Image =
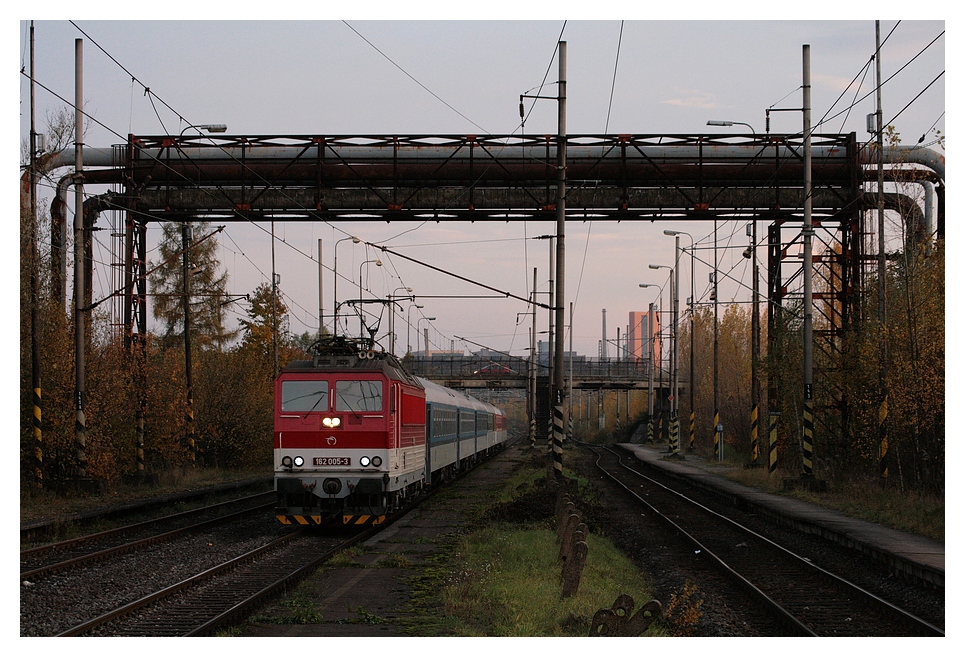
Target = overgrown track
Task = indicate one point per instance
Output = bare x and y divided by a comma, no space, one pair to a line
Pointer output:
45,529
44,560
807,599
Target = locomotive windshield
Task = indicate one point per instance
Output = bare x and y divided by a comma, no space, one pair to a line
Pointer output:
358,396
302,396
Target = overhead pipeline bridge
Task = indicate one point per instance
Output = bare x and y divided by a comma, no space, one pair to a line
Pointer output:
482,178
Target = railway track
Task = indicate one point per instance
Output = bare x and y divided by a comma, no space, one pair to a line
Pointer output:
218,583
44,560
213,597
806,599
203,603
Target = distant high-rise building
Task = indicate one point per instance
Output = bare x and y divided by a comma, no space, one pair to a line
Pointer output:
642,327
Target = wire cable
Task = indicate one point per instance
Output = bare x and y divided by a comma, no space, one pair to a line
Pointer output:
408,75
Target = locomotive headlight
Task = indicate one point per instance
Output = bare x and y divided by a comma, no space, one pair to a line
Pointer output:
331,422
299,461
365,461
376,461
286,461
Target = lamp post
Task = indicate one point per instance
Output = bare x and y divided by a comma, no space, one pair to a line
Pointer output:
420,320
355,240
730,123
693,405
718,427
186,276
392,315
674,442
651,340
378,263
408,324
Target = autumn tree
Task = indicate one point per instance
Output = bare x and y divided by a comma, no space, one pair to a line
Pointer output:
733,384
235,387
206,283
267,321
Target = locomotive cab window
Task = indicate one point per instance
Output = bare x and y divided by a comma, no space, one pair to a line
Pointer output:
358,396
303,396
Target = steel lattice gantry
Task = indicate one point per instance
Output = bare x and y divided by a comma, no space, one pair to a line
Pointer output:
479,178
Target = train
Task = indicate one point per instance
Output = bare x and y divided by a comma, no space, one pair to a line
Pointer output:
356,436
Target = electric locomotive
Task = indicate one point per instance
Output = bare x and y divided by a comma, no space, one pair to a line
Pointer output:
356,435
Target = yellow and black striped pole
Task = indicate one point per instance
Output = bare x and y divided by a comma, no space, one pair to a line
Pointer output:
883,438
674,433
754,443
80,439
38,438
772,443
717,446
139,437
558,437
807,235
34,265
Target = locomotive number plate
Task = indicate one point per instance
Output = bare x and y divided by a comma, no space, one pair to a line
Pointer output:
332,460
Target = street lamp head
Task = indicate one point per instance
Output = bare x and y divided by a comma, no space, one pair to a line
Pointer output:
671,232
209,127
355,240
731,123
378,263
647,285
659,266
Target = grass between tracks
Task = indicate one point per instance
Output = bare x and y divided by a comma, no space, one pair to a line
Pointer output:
507,584
501,578
504,578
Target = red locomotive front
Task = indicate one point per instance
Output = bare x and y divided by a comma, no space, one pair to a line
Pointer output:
350,439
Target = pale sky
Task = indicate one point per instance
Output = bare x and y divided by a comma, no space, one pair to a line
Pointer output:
464,77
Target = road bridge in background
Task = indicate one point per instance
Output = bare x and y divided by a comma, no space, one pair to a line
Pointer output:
588,374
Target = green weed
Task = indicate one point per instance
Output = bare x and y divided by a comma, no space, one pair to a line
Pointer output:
345,558
304,611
